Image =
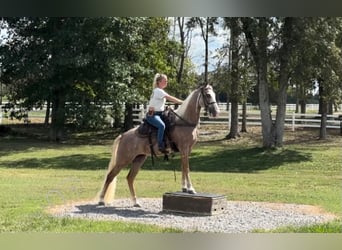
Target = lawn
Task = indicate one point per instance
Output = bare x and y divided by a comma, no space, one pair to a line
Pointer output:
36,174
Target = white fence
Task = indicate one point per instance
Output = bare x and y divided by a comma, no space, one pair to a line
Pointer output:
292,120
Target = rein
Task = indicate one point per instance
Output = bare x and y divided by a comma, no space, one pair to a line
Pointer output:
187,124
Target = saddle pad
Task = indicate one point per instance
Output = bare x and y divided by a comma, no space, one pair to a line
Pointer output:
145,129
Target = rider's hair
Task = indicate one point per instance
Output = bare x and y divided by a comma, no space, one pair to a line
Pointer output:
157,78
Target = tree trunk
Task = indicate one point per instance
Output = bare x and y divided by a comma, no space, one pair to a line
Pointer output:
259,53
285,53
234,122
128,122
323,109
57,116
180,70
330,108
323,129
206,41
265,110
244,117
302,106
47,113
117,119
234,91
281,112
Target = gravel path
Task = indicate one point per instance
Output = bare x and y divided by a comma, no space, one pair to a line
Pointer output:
239,216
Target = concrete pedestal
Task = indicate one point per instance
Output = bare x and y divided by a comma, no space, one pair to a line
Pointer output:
197,204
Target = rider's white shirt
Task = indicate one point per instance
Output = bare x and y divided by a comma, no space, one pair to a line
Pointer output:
158,100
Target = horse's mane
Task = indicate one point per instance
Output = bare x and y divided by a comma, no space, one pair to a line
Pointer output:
182,108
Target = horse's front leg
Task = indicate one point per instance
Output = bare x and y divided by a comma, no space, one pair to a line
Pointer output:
186,181
136,165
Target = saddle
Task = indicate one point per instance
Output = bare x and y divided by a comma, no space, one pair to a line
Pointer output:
147,130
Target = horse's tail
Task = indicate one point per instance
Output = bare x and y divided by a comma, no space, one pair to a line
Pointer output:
110,191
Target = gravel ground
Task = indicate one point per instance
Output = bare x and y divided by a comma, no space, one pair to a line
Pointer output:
238,217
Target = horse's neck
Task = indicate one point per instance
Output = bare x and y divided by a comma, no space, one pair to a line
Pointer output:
190,110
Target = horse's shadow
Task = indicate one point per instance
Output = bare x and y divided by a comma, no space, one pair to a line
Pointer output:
119,211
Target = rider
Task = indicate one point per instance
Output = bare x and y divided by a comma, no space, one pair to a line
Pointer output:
157,105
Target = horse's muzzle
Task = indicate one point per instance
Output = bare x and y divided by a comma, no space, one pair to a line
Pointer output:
214,110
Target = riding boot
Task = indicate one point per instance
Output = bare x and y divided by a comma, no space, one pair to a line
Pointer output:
163,150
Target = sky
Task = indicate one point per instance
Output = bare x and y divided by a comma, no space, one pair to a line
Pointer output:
197,48
3,34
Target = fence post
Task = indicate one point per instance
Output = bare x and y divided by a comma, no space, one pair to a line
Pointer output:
142,112
229,117
293,121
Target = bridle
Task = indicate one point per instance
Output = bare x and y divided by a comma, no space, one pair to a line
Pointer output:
205,101
206,105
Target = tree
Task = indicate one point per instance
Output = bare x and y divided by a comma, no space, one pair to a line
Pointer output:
288,39
318,63
64,60
53,59
247,82
81,65
233,23
153,51
256,32
207,26
185,76
327,63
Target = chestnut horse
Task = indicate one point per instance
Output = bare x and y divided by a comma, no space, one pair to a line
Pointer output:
129,148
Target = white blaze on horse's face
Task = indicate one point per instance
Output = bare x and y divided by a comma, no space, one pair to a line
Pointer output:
209,100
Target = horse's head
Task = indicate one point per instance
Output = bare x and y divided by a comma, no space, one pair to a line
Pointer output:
208,100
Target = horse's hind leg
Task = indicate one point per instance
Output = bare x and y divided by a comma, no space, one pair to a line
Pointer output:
108,189
136,165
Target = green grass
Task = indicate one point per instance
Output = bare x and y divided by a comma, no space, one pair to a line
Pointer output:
334,226
36,174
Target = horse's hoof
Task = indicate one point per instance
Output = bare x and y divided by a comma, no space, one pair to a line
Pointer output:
191,191
101,203
184,190
136,205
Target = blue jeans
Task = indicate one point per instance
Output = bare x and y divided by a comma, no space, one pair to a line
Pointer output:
156,121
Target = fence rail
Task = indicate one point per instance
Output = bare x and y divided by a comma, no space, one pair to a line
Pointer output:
253,118
292,120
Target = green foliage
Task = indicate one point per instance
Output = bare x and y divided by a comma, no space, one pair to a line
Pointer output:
318,57
84,61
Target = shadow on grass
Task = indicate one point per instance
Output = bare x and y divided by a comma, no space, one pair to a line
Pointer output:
10,145
23,141
72,162
247,160
242,160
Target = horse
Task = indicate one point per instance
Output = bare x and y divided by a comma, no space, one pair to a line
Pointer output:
130,149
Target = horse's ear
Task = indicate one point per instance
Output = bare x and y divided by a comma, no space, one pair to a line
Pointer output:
204,85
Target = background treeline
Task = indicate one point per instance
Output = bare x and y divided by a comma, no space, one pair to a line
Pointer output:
79,67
